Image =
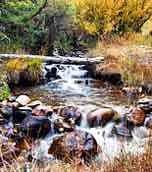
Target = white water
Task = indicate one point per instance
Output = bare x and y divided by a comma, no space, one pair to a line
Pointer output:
76,88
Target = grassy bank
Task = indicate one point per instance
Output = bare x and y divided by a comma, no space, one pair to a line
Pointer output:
125,163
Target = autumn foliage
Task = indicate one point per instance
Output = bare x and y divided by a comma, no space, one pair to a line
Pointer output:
116,16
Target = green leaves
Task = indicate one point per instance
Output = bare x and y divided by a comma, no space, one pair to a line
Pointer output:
19,12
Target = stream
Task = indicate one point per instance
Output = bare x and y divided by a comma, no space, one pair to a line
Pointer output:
75,87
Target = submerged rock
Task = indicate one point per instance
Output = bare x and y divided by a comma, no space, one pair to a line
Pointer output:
77,146
23,100
100,116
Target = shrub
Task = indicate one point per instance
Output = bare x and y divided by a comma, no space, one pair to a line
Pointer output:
112,16
24,71
135,73
4,92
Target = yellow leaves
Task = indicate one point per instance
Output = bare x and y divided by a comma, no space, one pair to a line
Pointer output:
102,16
90,28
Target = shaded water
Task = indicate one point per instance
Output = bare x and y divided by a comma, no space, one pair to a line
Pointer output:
77,88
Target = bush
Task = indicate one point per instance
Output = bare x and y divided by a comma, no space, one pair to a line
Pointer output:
112,16
24,71
135,73
4,92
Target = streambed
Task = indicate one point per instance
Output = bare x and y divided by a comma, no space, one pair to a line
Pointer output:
75,87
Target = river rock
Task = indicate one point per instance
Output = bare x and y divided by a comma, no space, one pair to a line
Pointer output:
145,104
12,99
35,126
100,116
61,126
23,100
71,115
21,113
6,111
122,130
42,110
136,116
77,146
148,123
35,103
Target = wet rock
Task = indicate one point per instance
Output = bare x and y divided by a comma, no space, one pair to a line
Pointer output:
100,116
35,126
6,111
33,104
136,116
148,123
71,115
21,113
42,110
61,126
122,130
145,104
51,74
77,146
12,99
23,100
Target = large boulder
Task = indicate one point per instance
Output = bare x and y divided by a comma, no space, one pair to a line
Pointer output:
23,100
100,117
77,146
136,116
35,127
21,113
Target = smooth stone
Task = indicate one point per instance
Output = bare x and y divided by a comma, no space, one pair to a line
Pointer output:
42,110
12,98
78,146
101,116
61,126
122,131
23,100
35,127
20,114
145,104
71,114
35,103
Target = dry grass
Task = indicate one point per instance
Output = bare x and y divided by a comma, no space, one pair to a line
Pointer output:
125,163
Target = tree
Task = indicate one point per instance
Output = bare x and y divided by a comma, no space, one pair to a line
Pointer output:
20,12
108,16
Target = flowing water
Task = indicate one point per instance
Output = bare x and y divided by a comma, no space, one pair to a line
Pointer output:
76,87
